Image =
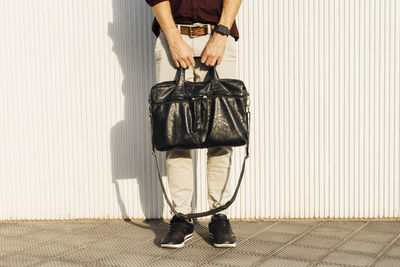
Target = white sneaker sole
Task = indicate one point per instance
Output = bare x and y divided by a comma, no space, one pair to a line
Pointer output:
225,245
188,237
222,245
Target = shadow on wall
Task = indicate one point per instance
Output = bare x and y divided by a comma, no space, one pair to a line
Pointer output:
131,156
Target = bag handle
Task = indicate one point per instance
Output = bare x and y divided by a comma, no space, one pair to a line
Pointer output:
180,74
180,77
211,211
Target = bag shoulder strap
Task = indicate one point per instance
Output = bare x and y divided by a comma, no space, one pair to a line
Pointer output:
211,211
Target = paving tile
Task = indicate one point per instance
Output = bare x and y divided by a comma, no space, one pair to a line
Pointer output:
387,262
116,244
101,229
274,237
149,248
317,241
133,232
288,228
328,265
3,253
247,229
345,225
347,258
393,251
13,230
330,232
232,257
37,224
258,247
14,245
19,260
44,235
387,227
362,246
301,253
170,262
252,224
279,262
57,263
119,243
374,236
124,259
199,242
80,239
149,226
202,229
308,223
88,255
195,254
69,227
49,250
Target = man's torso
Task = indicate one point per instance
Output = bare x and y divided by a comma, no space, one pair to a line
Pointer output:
191,11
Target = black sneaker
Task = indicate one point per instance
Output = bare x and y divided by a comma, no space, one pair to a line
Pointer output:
179,231
221,231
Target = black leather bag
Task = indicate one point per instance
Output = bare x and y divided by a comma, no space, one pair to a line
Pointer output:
193,115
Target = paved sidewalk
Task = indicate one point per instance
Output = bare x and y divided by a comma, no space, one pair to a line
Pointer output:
261,243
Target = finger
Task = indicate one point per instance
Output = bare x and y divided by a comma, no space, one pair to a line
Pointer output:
182,63
214,61
187,62
209,61
203,59
219,60
191,59
176,63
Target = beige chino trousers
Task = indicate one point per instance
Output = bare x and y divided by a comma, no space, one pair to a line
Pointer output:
179,162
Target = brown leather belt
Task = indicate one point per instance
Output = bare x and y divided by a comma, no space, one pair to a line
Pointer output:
194,31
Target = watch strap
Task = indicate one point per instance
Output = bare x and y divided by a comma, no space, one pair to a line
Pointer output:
222,29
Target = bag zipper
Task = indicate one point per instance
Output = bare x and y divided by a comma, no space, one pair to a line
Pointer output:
197,98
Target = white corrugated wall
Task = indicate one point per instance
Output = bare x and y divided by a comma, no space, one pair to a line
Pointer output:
324,78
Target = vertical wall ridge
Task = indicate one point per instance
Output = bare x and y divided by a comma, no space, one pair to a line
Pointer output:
324,82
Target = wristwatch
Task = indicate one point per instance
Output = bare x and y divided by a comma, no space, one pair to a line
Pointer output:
221,29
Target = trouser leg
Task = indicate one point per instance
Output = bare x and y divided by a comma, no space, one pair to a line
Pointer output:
180,178
219,159
178,162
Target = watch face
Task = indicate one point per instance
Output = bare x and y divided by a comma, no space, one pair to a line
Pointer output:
222,29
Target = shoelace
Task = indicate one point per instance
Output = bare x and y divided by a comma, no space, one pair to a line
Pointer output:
222,224
174,225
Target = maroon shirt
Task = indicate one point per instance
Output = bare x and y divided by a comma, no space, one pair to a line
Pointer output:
191,11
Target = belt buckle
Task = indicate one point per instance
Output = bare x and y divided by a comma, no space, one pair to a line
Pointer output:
191,31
